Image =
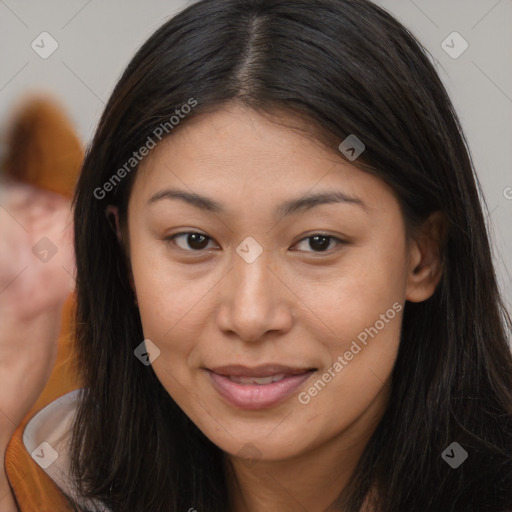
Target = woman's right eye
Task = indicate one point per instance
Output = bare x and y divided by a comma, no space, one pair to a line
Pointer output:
190,241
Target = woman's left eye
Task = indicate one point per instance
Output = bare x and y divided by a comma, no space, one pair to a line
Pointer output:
320,242
198,241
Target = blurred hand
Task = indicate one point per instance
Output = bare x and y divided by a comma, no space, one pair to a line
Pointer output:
36,255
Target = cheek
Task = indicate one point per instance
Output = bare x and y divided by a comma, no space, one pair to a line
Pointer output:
167,308
171,311
175,311
162,298
363,310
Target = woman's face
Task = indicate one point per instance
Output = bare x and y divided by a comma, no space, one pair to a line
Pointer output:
253,294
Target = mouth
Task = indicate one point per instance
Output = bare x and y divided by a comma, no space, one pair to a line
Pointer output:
257,387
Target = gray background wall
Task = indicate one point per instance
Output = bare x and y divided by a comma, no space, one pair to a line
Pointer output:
96,39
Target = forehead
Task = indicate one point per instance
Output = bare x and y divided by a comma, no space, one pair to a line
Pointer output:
235,133
235,150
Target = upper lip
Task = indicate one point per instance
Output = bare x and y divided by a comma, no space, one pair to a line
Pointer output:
265,370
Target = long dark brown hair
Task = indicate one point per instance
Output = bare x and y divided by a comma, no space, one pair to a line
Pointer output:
345,67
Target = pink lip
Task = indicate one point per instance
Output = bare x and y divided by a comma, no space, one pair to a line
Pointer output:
264,370
257,396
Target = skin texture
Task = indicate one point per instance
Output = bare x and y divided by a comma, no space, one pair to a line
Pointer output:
295,304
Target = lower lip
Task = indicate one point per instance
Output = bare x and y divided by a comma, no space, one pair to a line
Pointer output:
257,396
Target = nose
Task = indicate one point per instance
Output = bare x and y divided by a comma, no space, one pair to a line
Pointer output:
254,300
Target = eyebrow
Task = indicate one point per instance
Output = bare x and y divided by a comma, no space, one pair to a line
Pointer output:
283,210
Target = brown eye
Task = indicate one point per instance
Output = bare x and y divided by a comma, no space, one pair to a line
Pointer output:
192,241
320,243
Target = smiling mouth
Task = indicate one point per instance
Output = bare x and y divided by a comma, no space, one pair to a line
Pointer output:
257,387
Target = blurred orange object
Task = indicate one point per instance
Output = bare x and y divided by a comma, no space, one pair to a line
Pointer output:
43,148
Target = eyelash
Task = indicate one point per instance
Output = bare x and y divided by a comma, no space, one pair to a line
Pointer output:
186,233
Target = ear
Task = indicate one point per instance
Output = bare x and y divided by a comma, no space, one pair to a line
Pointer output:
426,258
112,214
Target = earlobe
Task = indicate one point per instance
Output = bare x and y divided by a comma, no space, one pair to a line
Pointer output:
112,214
426,259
